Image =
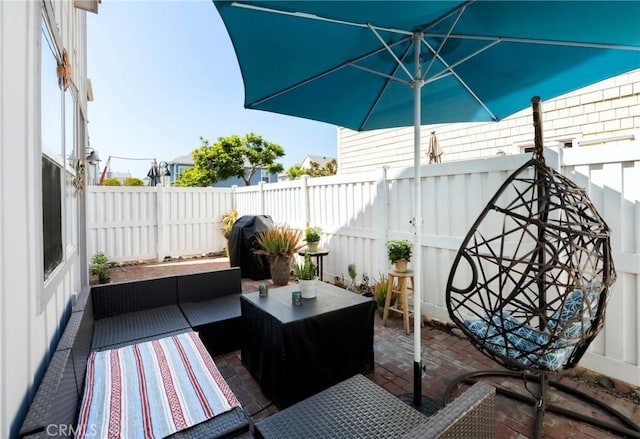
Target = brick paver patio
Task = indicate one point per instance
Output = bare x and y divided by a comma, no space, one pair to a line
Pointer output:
444,355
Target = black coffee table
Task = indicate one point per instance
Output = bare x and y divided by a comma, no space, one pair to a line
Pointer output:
296,351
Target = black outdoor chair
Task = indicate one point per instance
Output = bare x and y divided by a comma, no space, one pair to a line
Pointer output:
530,283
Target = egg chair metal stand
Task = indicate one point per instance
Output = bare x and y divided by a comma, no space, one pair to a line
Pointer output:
530,282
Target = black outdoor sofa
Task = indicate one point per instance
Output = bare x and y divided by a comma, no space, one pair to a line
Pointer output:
120,314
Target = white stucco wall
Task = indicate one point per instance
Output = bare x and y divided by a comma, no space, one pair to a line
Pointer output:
608,110
31,309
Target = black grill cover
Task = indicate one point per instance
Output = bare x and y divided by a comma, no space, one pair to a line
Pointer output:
242,243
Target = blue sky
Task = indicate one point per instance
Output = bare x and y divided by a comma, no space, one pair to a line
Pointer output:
163,75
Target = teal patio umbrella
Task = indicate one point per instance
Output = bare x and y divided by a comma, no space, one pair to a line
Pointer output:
382,64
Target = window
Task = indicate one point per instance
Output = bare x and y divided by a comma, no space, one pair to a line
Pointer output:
53,157
558,142
59,157
51,215
264,175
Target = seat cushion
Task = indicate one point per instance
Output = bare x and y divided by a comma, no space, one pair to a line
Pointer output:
211,311
218,321
136,326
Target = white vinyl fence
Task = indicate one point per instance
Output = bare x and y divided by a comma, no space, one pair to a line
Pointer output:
359,212
137,223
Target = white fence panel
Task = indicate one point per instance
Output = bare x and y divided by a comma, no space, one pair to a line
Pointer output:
612,179
191,220
122,222
137,223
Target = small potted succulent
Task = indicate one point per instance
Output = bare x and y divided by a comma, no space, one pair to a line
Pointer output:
312,237
306,273
399,253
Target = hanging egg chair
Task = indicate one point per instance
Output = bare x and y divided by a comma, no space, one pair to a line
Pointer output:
530,282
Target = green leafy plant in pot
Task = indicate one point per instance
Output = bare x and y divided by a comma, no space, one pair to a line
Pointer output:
100,267
399,253
279,244
228,220
312,236
306,273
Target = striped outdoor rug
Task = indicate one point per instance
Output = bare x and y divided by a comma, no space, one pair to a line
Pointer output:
152,389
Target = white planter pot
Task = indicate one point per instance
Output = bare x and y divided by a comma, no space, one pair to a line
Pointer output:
313,246
308,288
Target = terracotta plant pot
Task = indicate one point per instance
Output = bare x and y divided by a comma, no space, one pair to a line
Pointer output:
401,265
280,267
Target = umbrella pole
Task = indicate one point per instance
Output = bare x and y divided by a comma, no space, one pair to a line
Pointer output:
417,84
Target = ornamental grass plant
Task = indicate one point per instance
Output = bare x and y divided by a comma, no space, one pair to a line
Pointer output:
279,241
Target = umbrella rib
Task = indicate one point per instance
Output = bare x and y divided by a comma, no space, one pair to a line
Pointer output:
464,84
375,72
444,41
448,70
536,41
319,18
328,72
391,78
384,43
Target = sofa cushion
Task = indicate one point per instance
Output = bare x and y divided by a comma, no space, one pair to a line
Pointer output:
136,326
210,311
209,285
127,297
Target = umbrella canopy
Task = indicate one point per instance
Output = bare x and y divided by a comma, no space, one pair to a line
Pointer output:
337,62
379,64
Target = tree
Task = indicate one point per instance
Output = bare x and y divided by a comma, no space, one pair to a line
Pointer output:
231,156
111,181
295,171
331,168
133,181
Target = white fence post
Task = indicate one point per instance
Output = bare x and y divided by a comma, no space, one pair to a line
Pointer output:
382,220
304,195
161,221
234,197
261,195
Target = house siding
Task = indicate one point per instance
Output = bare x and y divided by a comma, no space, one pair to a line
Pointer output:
607,111
31,310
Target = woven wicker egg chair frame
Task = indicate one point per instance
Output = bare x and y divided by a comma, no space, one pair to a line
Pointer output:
530,282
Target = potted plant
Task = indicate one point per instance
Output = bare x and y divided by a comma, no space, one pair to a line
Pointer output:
399,253
100,267
279,244
228,220
312,237
306,273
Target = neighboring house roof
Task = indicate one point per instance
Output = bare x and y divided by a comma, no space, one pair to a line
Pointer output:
182,160
319,159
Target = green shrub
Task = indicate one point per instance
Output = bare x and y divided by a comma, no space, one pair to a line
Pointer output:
228,220
111,181
100,267
312,234
399,249
133,181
